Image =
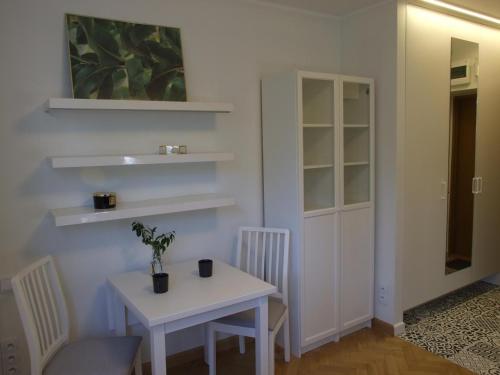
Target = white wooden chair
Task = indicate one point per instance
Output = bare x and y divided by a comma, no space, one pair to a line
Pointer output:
44,316
262,252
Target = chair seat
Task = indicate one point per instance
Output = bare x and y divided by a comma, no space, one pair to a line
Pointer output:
106,356
247,318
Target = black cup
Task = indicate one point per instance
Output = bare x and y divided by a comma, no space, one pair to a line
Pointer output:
205,267
160,282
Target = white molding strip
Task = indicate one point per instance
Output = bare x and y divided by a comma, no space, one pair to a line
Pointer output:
458,11
399,328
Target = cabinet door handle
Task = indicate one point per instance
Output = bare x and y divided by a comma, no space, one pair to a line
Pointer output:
479,185
444,190
474,185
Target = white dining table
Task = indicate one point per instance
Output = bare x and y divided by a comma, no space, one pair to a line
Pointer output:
190,300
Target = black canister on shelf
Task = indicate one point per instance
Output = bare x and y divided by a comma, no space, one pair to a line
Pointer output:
104,200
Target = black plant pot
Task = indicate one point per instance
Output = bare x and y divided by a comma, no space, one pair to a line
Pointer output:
205,267
160,282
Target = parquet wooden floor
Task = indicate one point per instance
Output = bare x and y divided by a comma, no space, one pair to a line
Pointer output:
367,352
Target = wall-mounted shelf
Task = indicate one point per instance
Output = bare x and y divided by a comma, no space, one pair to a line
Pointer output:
356,163
318,166
137,105
124,160
317,125
125,210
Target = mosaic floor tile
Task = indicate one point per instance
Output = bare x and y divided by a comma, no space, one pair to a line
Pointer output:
463,327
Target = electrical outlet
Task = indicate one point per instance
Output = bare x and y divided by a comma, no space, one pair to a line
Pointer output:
10,358
383,295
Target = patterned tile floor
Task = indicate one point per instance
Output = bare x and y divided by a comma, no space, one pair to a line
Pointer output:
463,327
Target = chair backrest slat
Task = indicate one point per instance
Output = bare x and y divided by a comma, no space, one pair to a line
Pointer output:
249,246
47,308
57,322
265,251
270,254
43,311
286,245
28,284
256,253
262,274
277,261
45,314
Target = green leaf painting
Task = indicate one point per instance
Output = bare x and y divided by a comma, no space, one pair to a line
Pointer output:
122,60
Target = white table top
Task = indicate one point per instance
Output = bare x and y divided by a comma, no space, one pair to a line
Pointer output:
188,294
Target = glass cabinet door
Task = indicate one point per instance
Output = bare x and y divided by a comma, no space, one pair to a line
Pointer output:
356,133
318,136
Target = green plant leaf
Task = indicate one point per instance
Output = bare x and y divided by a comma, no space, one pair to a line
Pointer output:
159,80
81,37
106,47
136,77
167,56
139,60
176,90
106,87
134,47
90,58
100,40
86,82
171,37
139,33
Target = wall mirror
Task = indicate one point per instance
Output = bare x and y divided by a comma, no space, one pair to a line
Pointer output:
464,75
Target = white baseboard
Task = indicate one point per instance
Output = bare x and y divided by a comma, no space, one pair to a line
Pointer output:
319,343
495,279
336,337
399,328
357,327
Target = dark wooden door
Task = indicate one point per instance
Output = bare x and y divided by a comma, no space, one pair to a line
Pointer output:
463,152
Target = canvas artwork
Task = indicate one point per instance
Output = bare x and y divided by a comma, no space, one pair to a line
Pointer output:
123,60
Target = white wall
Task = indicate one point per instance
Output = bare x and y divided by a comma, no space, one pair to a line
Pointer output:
426,154
227,46
369,47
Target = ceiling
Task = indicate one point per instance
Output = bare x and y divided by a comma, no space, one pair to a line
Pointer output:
332,7
343,7
490,7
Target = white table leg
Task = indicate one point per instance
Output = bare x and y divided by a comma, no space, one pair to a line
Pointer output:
110,307
261,338
158,354
120,317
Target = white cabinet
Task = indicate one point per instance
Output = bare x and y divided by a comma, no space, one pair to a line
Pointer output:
318,142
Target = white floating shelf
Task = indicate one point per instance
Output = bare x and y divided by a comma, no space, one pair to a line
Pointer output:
356,163
124,160
125,210
137,105
317,125
356,126
318,166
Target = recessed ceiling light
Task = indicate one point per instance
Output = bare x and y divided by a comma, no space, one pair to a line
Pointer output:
459,11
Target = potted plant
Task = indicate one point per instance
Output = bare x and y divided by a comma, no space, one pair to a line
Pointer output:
159,244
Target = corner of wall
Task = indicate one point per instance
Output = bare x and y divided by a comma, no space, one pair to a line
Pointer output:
371,46
400,161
